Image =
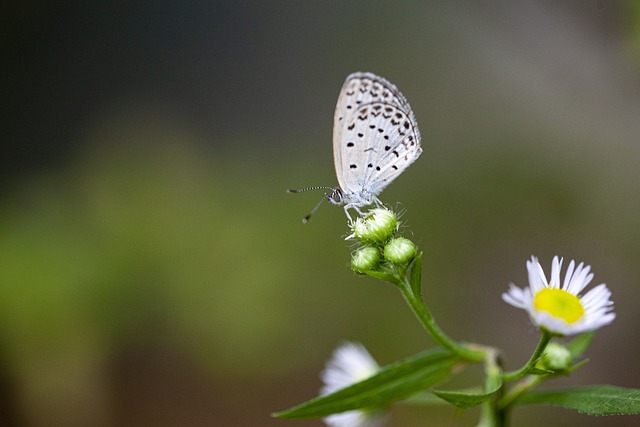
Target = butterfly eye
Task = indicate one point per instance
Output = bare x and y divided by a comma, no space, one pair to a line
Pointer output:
336,196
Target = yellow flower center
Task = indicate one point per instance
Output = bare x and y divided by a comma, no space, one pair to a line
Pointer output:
560,304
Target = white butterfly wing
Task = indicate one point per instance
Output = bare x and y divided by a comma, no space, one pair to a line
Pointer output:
375,134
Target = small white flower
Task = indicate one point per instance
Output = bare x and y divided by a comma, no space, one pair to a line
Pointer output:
350,363
555,306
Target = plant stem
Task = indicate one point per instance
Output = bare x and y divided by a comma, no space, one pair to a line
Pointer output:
517,374
490,415
426,319
527,384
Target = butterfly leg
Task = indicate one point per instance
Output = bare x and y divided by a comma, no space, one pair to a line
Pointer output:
346,211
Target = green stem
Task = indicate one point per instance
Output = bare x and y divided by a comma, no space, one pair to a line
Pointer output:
517,374
426,319
527,384
490,416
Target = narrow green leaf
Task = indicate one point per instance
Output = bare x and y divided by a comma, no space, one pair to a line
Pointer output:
382,275
538,371
467,398
577,365
580,344
393,382
424,398
591,400
415,278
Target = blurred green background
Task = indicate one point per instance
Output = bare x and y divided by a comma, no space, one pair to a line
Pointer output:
154,272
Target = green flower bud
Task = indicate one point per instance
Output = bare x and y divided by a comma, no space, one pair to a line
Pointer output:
377,226
365,258
399,250
556,357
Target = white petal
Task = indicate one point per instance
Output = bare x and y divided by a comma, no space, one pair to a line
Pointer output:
556,264
537,279
596,298
355,419
550,323
578,281
567,277
350,363
603,320
515,296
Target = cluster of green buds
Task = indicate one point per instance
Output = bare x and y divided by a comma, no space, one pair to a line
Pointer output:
382,249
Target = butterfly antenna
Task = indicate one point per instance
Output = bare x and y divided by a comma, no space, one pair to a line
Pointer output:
306,218
319,187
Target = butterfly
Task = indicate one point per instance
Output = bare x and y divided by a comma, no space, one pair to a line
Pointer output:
375,138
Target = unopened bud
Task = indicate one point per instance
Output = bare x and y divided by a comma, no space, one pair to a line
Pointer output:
377,226
399,250
556,357
364,259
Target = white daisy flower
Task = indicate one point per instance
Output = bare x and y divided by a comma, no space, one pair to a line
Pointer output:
350,363
555,306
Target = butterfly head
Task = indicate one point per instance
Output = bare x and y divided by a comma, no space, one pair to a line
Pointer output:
336,197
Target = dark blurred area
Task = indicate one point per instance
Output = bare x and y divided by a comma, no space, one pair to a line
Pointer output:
154,272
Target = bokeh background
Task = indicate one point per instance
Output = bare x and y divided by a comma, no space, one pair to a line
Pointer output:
153,271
